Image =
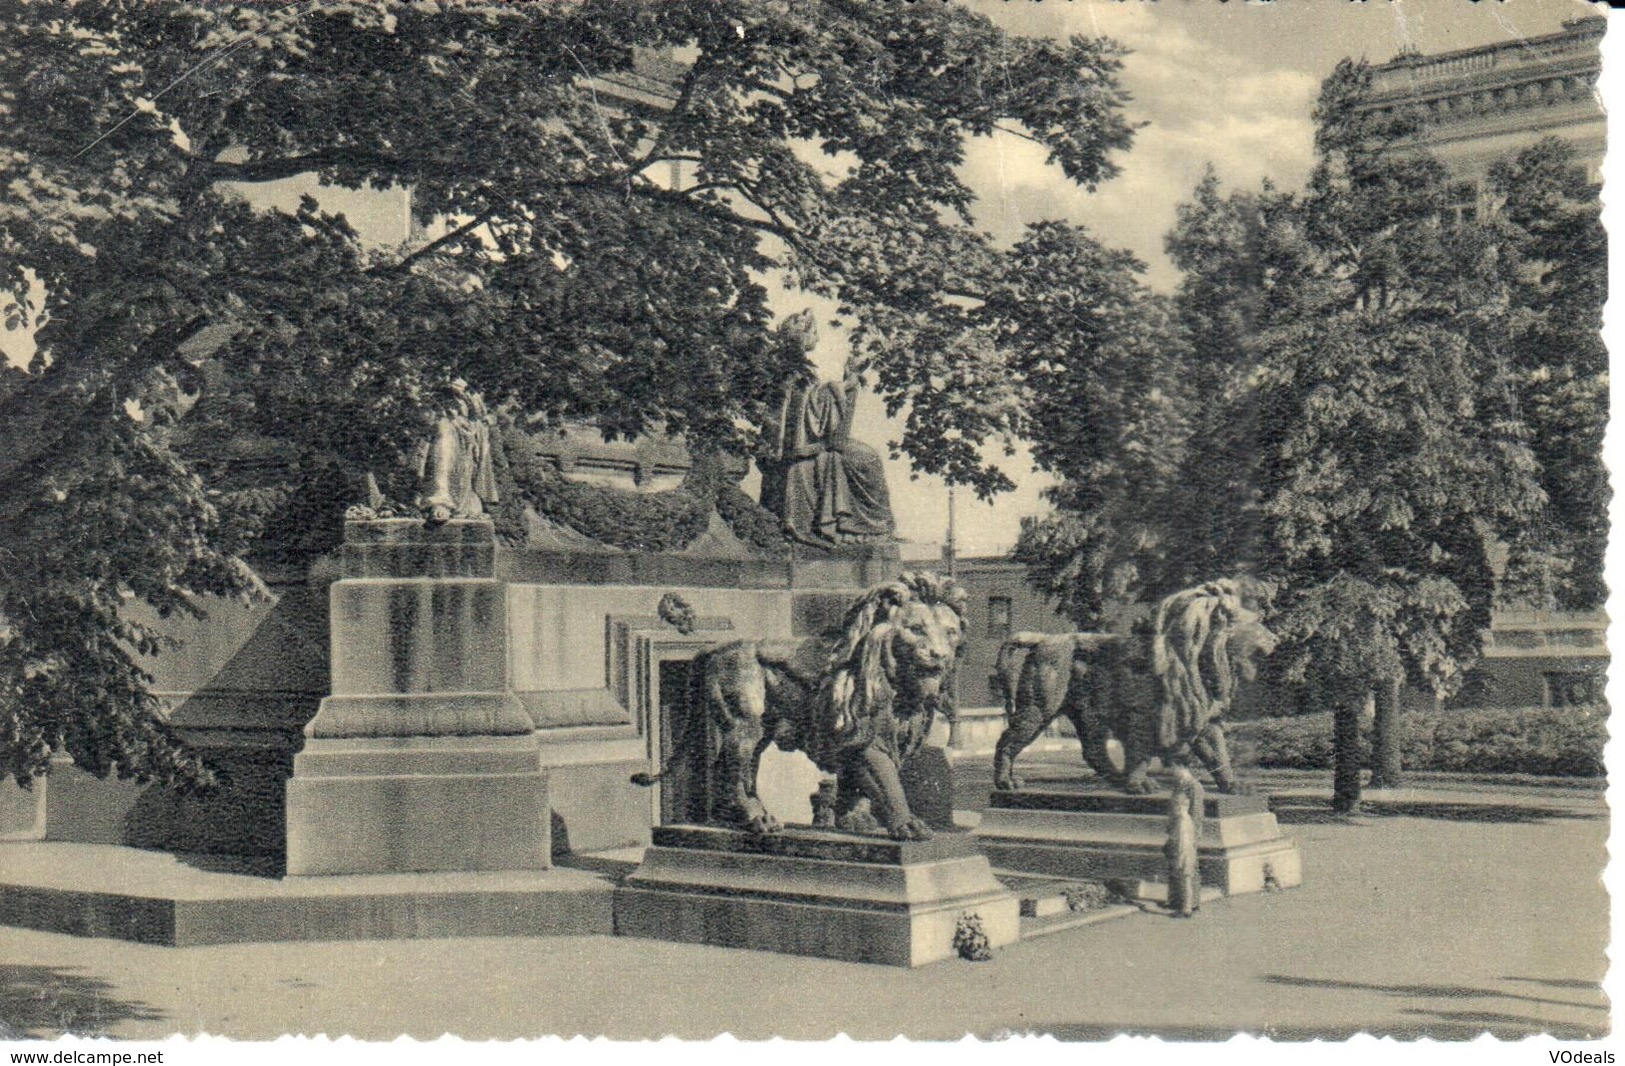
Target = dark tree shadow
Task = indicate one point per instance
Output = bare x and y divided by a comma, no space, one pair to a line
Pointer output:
559,836
270,866
1313,812
598,864
1470,1024
1093,1031
1427,991
1280,1034
1558,982
38,1002
1294,810
1481,812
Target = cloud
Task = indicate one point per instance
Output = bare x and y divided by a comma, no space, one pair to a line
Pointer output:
1204,105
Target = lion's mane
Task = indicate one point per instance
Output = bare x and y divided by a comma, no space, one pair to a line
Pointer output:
862,672
1190,656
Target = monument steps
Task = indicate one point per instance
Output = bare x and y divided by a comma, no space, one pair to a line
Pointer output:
1046,906
816,892
1091,835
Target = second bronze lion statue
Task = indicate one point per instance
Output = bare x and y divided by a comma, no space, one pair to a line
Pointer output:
1159,687
858,706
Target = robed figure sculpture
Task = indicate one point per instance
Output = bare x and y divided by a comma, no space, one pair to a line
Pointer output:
454,468
450,474
826,488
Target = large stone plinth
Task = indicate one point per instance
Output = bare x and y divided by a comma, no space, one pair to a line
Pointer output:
1102,836
812,892
422,759
152,897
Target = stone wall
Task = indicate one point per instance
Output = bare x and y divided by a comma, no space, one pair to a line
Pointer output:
585,647
241,684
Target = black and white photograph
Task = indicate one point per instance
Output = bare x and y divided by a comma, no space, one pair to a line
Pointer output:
802,519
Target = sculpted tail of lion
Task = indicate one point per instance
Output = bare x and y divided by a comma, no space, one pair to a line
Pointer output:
1007,666
684,751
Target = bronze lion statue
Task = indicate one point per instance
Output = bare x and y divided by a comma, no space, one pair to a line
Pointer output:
1160,685
858,705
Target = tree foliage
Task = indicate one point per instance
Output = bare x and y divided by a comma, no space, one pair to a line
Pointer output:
561,272
1100,359
1374,399
1550,222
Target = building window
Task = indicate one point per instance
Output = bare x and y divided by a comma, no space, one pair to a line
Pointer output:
1575,688
998,616
1464,206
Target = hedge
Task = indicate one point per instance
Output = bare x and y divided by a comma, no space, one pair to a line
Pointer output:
1563,741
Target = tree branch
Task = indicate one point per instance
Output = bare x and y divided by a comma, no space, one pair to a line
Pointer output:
1016,133
438,243
713,211
685,97
291,166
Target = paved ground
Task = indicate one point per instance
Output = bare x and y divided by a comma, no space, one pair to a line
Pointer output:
1485,912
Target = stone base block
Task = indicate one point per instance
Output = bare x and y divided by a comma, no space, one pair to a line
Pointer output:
22,810
243,816
812,892
154,897
416,804
1108,837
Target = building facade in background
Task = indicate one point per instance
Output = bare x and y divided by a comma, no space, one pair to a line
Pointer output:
1480,105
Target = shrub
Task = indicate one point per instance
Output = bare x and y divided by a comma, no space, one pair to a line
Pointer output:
1565,741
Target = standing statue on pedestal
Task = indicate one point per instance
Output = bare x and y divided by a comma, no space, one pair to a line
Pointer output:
451,474
1184,832
455,475
826,488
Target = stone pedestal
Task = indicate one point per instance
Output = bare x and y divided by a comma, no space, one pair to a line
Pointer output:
1098,836
22,810
422,759
814,892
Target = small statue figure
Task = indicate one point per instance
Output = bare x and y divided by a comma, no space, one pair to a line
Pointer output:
448,476
1184,829
823,803
455,477
826,488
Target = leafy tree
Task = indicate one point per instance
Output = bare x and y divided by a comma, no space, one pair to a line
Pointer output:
1381,482
1390,458
1100,359
1556,261
1246,262
1351,422
563,274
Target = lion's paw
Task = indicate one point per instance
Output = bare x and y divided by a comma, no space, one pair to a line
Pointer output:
912,829
858,820
1233,787
1139,786
1008,784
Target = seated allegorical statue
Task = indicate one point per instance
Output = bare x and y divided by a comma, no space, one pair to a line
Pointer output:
826,488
